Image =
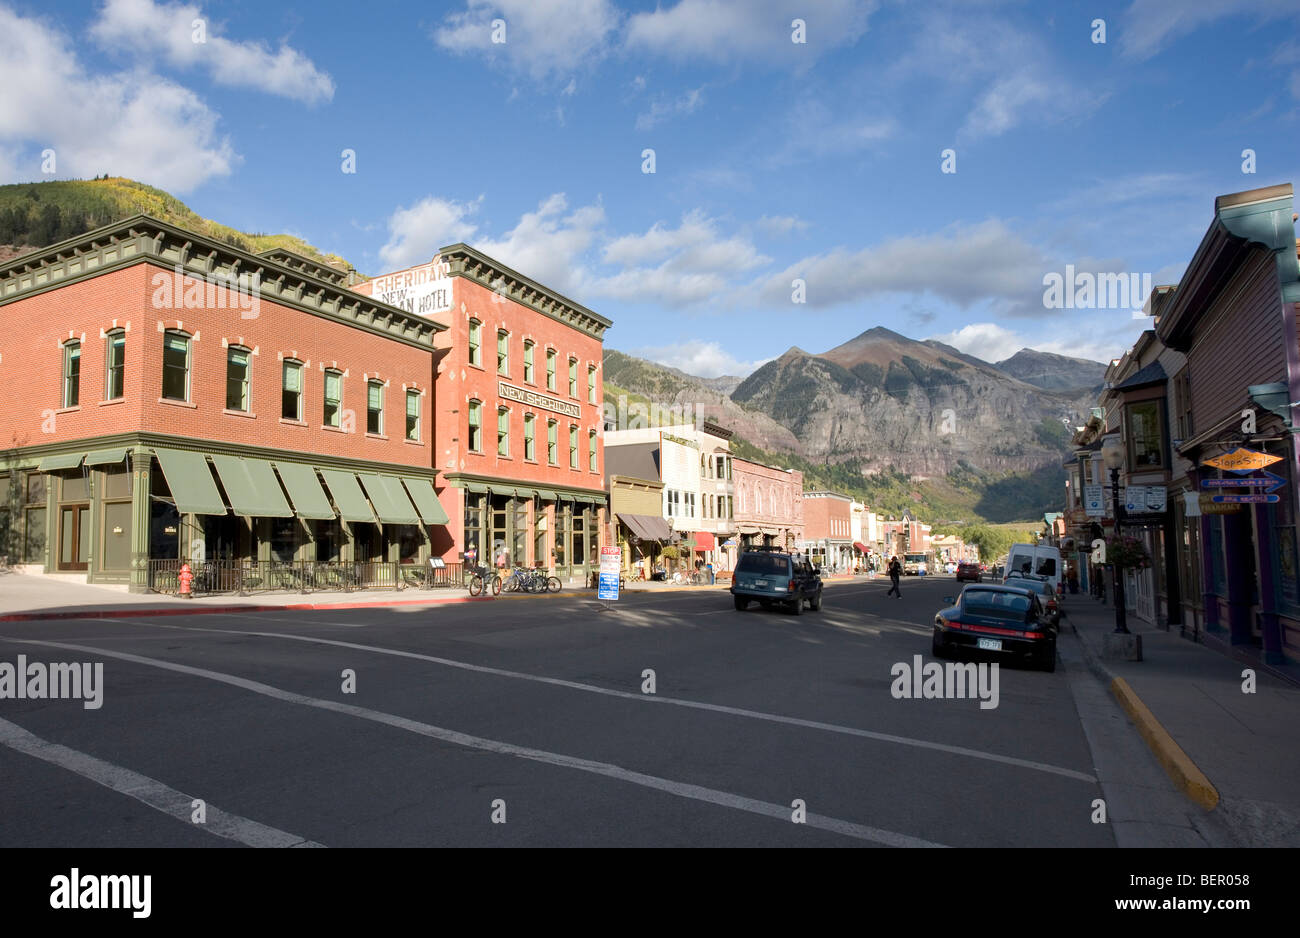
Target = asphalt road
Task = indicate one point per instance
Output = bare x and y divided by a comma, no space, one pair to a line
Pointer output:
525,721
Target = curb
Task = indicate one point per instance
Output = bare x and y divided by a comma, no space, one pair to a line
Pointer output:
1180,768
228,610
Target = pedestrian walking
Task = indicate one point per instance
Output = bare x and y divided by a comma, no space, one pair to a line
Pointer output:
895,575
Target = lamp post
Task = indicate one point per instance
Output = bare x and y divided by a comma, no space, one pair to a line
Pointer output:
1112,454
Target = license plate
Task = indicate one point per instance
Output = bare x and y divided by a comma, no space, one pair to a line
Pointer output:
990,644
760,583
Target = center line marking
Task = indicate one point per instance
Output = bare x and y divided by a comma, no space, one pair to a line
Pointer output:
646,698
680,789
148,790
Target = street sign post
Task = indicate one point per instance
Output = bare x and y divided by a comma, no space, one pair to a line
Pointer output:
1094,500
607,587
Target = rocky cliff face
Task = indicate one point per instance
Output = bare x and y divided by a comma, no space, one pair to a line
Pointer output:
885,401
1053,372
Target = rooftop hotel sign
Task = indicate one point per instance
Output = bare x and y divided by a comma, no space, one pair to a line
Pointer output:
543,401
423,290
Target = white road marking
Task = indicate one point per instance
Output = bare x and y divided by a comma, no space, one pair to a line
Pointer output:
680,789
648,698
147,790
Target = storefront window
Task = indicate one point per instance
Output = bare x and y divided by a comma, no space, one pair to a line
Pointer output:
563,515
408,543
578,532
1284,546
473,522
284,539
519,537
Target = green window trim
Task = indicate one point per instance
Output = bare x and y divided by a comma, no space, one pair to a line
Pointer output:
475,343
331,413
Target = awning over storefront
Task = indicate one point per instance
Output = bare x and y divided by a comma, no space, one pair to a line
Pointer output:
861,548
647,527
546,495
389,498
426,500
61,461
704,541
190,480
106,457
309,499
252,487
476,488
349,498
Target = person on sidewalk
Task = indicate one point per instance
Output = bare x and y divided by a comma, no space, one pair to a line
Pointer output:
895,576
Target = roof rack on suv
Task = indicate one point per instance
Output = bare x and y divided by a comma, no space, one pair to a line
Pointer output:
767,548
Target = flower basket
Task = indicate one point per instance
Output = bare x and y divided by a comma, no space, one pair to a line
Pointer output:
1127,553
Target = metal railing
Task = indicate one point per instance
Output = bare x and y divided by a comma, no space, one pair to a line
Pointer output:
247,577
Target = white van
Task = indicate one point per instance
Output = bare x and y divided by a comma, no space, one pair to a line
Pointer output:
1036,560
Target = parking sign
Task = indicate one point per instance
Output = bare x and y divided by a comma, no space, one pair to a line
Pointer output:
610,561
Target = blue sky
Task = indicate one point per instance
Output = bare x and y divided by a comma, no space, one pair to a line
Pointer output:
775,160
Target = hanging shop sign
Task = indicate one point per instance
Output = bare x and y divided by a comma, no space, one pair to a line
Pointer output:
1242,460
1268,481
1252,499
1208,506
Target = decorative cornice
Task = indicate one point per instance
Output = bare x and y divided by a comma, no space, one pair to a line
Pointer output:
143,239
306,265
464,261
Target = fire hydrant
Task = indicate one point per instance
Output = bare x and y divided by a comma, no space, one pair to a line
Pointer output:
186,577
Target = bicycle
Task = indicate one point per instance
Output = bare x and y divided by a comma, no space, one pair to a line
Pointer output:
478,580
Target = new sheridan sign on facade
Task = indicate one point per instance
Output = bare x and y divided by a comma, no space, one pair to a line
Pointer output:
543,401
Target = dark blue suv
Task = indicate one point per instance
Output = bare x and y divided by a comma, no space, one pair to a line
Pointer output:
775,577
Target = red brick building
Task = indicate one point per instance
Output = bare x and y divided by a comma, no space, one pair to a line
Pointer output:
518,430
769,508
827,529
169,397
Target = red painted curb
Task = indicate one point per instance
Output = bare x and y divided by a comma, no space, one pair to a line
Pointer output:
227,610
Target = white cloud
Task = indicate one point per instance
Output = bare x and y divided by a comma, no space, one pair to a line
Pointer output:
1151,25
416,233
136,124
702,359
963,264
548,245
753,30
994,343
661,110
543,37
167,30
781,224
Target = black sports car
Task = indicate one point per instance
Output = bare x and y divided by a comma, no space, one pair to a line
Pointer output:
1005,621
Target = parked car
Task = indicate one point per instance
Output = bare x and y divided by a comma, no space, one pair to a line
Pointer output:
969,571
1043,587
1007,621
775,577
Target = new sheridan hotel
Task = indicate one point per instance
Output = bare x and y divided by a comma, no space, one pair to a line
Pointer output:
167,397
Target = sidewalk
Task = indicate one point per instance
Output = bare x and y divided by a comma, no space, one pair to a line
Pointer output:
1235,753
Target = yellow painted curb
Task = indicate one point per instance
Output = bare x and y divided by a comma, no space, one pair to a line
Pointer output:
1177,764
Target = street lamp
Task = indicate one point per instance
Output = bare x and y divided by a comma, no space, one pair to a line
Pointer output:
1112,454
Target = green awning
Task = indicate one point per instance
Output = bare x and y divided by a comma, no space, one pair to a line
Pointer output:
598,499
61,461
476,488
389,498
426,500
349,498
252,487
190,480
547,495
309,499
106,457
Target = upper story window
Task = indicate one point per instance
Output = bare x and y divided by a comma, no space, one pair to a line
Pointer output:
375,408
413,414
503,432
550,369
176,367
475,339
291,398
333,397
1145,439
591,450
573,377
71,374
503,353
552,443
573,447
115,365
530,451
529,378
237,374
475,427
591,384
